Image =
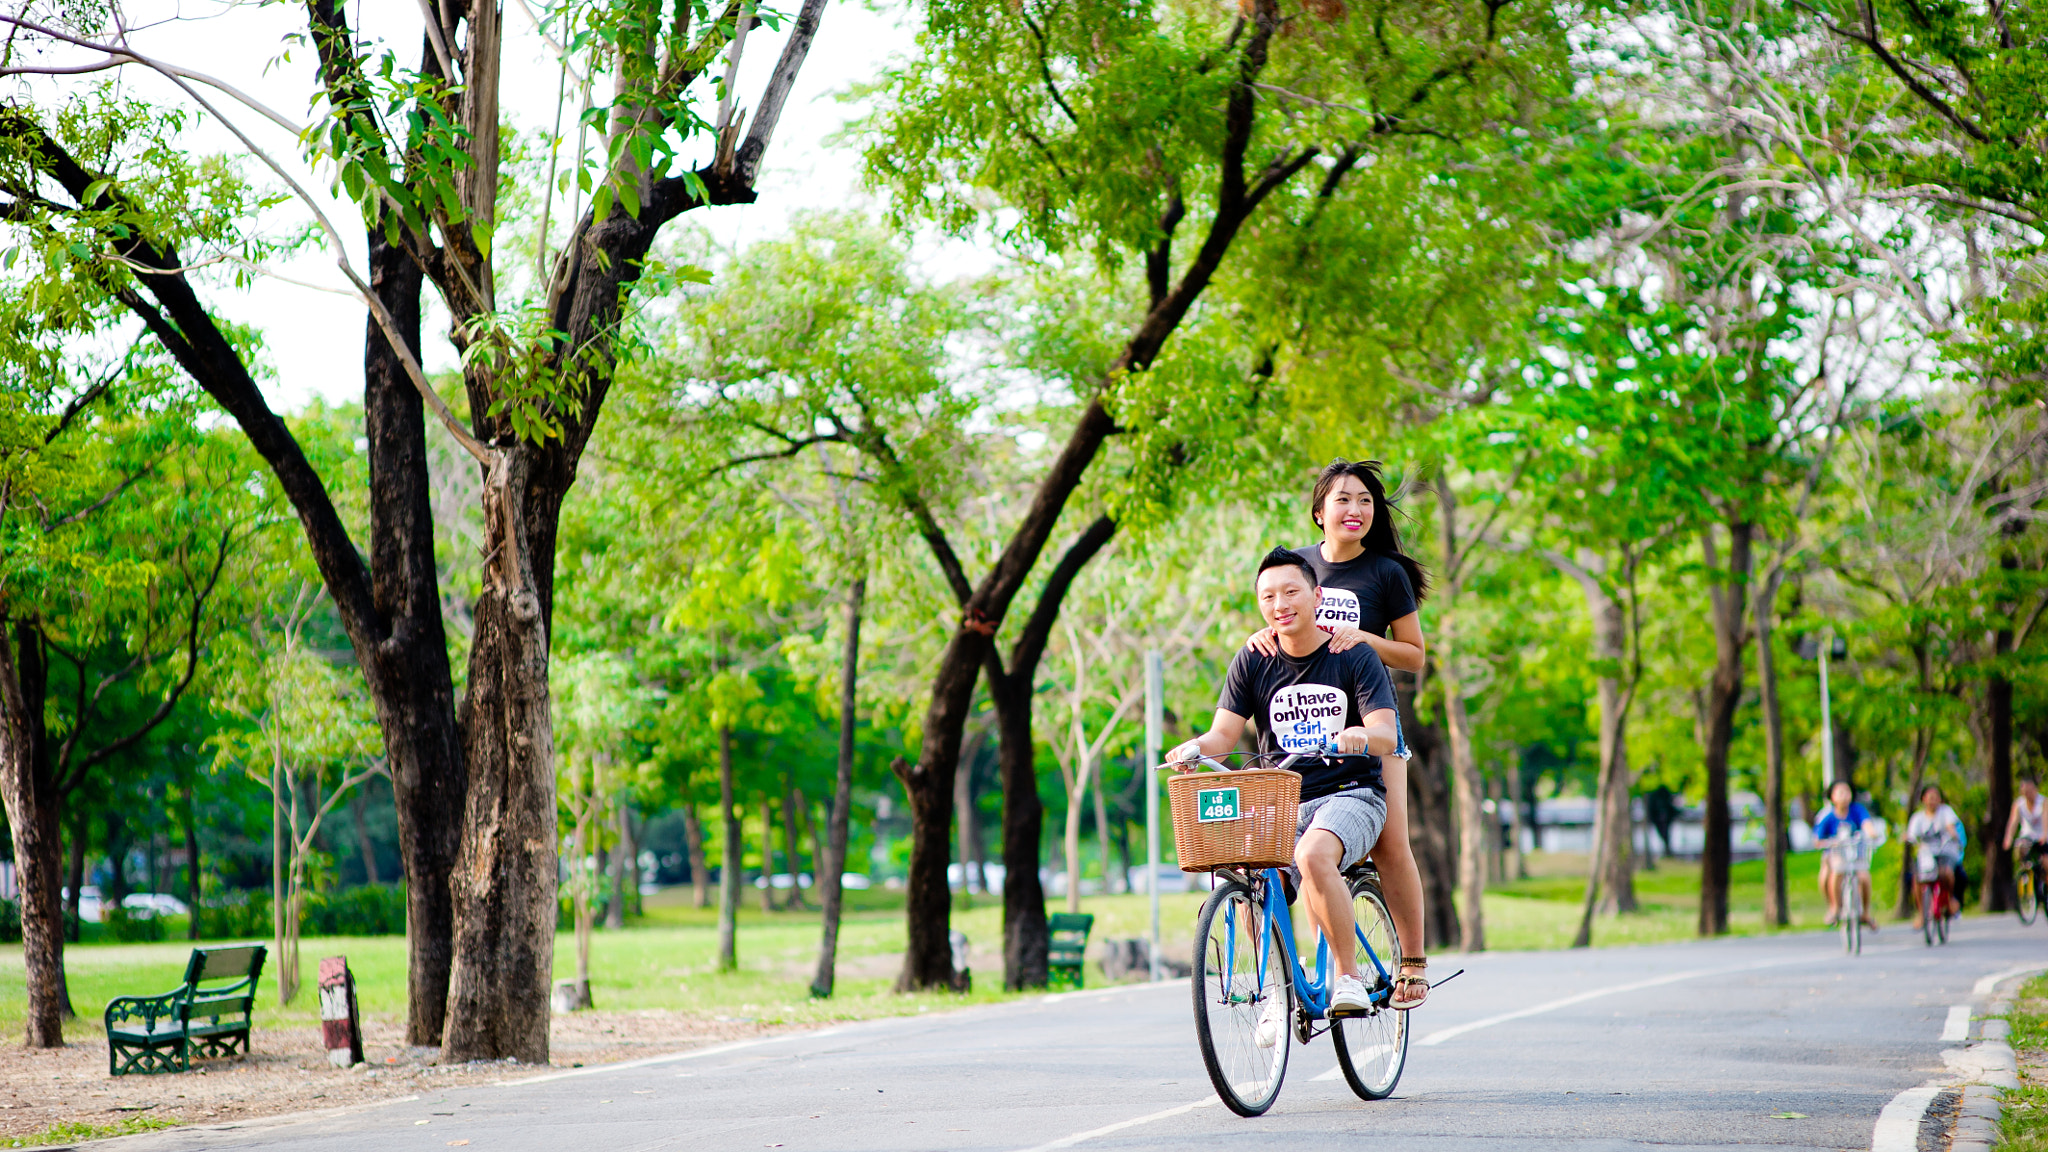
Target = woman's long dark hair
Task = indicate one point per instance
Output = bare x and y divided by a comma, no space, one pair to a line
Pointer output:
1380,539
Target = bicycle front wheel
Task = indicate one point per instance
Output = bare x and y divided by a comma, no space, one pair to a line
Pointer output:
1240,975
1931,909
2027,897
1852,917
1373,1048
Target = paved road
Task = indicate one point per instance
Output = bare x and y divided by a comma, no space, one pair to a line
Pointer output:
1680,1046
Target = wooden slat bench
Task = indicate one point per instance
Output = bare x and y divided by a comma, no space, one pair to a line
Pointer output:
163,1033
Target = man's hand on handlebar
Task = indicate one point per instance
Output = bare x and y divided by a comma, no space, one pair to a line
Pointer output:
1185,757
1352,741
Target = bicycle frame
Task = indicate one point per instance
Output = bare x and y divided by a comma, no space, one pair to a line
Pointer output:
1313,993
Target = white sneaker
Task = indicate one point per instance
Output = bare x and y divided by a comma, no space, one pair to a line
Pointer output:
1348,997
1273,1021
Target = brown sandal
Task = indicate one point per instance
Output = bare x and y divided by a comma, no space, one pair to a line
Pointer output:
1410,983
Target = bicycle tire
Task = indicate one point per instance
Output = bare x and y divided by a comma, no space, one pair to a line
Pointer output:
1941,927
2026,894
1230,997
1929,896
1373,1049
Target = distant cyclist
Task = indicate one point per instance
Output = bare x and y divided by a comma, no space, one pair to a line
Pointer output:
1843,817
1301,698
2027,826
1937,826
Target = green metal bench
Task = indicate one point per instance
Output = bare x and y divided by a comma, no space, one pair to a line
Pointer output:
1069,948
163,1033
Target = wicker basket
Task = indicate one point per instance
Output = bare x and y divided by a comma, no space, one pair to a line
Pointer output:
1225,818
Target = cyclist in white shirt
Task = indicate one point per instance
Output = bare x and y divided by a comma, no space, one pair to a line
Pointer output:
1938,827
2027,826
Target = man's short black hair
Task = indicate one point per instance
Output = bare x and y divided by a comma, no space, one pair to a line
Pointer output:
1285,557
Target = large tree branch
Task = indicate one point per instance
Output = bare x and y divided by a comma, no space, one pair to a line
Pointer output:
1030,645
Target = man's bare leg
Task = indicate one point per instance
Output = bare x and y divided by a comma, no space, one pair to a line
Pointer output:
1317,854
1832,891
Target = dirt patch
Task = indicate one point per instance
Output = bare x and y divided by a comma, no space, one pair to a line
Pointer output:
288,1071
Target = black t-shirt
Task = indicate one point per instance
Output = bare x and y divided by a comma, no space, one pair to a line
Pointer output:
1369,591
1297,702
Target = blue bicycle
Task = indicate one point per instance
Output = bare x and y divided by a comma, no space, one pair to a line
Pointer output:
1246,967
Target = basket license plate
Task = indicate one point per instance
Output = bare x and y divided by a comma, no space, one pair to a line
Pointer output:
1217,804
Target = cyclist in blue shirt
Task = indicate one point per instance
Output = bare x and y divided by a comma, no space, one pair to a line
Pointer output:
1843,816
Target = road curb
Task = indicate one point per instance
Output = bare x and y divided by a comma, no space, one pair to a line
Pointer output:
1996,1068
1984,1069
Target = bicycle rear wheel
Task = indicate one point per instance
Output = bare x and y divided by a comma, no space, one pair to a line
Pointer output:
2027,897
1373,1048
1240,967
1852,916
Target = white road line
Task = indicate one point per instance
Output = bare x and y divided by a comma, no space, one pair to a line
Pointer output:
1898,1126
1990,983
1106,1129
1443,1034
1957,1027
671,1057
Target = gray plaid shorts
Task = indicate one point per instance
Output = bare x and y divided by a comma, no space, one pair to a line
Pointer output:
1355,817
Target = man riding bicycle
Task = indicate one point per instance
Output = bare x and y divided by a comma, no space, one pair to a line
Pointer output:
1843,820
1304,698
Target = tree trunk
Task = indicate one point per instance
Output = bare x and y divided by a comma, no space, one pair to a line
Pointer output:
1730,599
505,883
1610,881
405,661
1430,832
1518,869
693,845
1102,834
615,911
1077,798
189,820
280,880
1923,747
1026,939
29,789
1468,793
767,852
1998,878
1474,853
1777,897
731,859
74,876
358,805
833,866
789,838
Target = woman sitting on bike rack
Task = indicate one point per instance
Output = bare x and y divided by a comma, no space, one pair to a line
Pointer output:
1937,826
1305,697
1844,817
1370,592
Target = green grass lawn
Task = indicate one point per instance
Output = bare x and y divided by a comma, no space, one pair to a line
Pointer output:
2024,1124
666,959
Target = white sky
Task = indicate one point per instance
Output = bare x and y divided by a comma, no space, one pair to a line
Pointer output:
315,337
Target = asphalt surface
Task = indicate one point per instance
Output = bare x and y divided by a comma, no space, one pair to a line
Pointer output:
1781,1043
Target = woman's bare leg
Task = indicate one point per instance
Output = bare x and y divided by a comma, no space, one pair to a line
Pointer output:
1400,879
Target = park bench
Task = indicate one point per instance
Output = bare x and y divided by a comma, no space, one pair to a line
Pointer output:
1069,948
163,1033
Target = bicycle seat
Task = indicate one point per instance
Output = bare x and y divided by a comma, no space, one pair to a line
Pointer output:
1363,870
